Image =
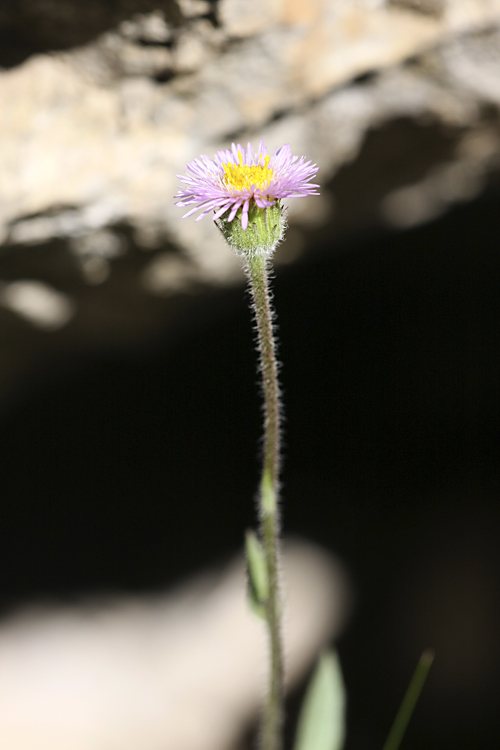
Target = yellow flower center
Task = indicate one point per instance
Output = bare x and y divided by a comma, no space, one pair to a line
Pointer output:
240,176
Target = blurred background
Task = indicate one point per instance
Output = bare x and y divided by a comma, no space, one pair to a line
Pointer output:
129,412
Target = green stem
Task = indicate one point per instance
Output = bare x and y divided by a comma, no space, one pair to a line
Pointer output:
271,730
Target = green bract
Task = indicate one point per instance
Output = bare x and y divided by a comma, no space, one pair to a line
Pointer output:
265,230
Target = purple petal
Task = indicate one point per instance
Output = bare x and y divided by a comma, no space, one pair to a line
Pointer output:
244,214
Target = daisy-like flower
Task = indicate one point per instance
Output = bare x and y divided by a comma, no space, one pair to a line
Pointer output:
235,178
244,184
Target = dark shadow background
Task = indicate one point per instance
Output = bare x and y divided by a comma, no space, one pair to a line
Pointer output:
128,472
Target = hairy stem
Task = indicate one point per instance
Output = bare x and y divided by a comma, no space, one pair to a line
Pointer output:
271,730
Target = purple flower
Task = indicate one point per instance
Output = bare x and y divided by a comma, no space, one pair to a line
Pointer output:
235,178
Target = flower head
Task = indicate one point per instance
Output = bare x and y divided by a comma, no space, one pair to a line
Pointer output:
237,179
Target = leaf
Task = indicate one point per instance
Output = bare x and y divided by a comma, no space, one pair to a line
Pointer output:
322,719
258,588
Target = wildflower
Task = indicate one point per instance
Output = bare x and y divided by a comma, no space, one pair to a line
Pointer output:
247,186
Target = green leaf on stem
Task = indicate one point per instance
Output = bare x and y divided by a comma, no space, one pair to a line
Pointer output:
322,719
258,583
268,494
403,716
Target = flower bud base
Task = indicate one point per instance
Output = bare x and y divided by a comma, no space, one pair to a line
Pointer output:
265,230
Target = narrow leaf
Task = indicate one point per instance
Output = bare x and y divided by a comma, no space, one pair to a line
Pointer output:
322,719
403,716
258,584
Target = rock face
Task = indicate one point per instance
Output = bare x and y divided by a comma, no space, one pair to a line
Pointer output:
94,130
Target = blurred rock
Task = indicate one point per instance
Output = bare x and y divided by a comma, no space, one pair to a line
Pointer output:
99,132
428,7
183,671
92,137
38,303
29,27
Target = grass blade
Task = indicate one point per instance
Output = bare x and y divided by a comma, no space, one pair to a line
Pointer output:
412,695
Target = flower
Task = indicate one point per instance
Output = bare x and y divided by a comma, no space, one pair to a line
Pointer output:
237,181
